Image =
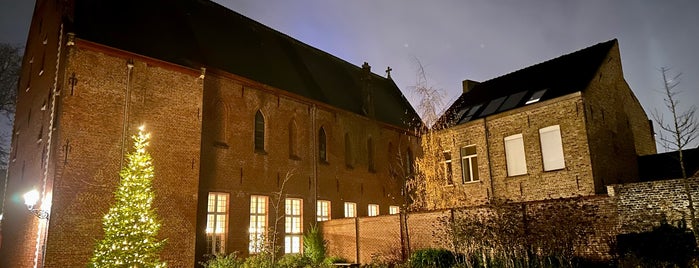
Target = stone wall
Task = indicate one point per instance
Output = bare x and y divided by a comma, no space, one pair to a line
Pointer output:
643,205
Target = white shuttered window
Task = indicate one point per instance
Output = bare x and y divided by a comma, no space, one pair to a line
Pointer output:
552,148
514,154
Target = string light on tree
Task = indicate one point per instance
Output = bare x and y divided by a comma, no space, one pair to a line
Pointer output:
131,225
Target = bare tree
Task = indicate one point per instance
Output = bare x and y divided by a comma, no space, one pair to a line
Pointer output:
10,67
682,129
431,98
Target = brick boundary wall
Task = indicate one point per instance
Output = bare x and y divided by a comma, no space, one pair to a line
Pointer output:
643,205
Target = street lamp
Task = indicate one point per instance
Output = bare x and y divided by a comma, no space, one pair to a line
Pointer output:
30,199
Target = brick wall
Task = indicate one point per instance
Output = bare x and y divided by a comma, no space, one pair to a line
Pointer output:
643,205
231,165
542,224
167,100
617,126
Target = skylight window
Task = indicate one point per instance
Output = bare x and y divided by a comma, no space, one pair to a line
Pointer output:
536,96
470,114
512,101
461,113
492,106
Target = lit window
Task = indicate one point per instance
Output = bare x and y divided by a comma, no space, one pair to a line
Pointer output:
447,167
292,227
259,131
350,210
393,210
216,223
514,154
536,96
469,164
258,222
552,148
373,210
323,210
322,146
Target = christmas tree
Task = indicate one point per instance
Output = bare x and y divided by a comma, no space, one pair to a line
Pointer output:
130,226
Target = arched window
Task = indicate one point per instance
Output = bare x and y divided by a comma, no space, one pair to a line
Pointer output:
293,153
259,131
348,150
322,146
370,154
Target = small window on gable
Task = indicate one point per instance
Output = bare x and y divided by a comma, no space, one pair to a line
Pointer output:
536,96
348,151
552,148
293,143
322,146
514,155
259,132
370,154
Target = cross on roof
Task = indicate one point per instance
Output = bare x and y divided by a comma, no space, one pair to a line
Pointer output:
388,72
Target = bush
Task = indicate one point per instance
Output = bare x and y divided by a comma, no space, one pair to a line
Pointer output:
427,258
224,261
294,261
665,245
262,260
314,245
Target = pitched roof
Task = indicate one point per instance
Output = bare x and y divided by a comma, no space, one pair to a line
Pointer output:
551,79
201,33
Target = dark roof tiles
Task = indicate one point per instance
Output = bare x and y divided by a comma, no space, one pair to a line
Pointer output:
554,78
200,33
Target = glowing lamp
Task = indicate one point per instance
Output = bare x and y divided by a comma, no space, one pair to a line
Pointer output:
30,199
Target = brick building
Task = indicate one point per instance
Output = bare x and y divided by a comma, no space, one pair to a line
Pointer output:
234,109
563,128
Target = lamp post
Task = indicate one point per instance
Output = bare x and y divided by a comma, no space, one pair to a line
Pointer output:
30,199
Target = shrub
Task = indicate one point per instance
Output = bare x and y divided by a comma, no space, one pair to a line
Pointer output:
664,245
426,258
314,245
294,261
224,261
262,260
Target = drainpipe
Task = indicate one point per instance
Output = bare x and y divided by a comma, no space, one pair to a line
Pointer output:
487,151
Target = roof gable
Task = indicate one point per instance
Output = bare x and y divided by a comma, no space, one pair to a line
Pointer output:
547,80
200,33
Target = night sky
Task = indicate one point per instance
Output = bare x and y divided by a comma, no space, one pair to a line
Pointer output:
474,39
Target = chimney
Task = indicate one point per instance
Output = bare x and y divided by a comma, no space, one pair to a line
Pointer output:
469,84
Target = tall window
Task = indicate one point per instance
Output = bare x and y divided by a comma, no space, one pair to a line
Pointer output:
259,131
552,148
292,140
293,229
258,222
514,154
447,167
370,154
217,223
322,146
469,164
323,210
373,210
393,210
348,151
409,161
350,210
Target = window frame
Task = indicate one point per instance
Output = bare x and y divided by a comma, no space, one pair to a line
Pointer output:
293,225
556,157
515,152
212,235
393,210
323,210
353,210
373,210
470,159
257,233
448,169
259,132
